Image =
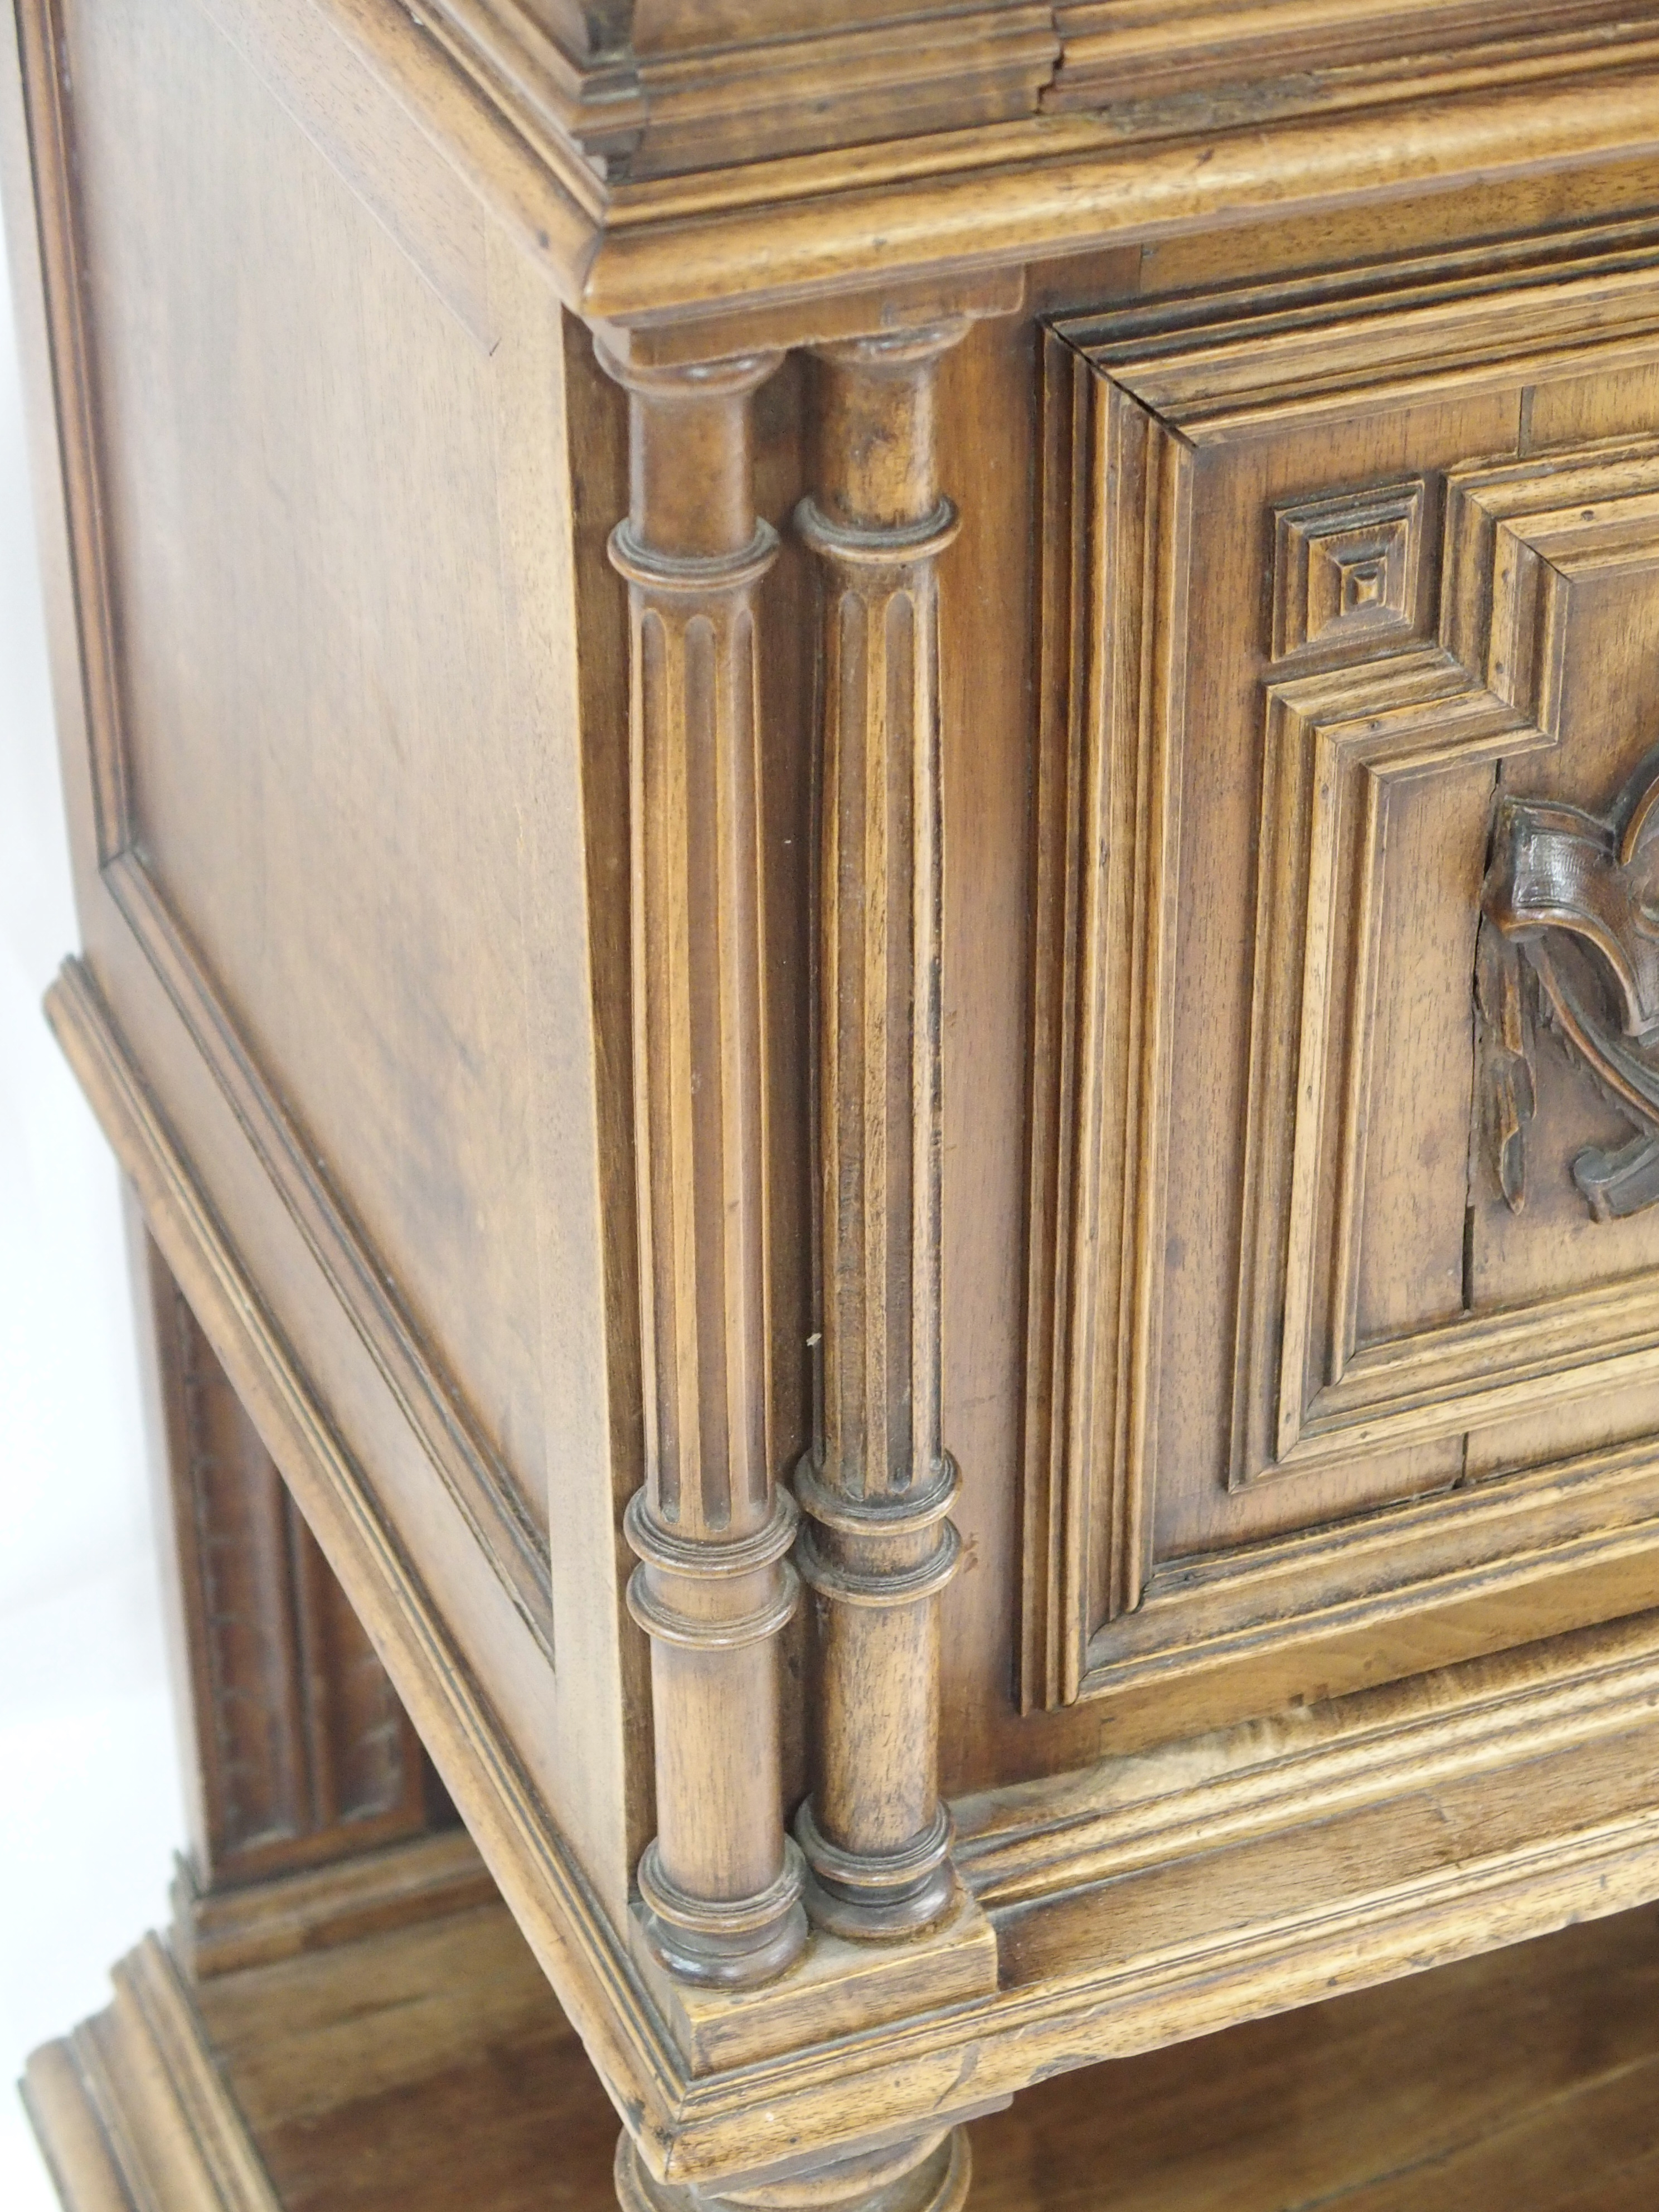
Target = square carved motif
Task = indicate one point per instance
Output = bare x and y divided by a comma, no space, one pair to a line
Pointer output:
1348,570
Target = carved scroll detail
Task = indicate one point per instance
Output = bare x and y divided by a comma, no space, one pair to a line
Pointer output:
1570,919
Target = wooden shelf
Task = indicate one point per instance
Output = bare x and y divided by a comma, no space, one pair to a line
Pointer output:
428,2069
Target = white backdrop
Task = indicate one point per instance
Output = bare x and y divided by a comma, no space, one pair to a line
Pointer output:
90,1806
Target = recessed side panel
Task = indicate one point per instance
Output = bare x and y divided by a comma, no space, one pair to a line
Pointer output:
318,494
302,524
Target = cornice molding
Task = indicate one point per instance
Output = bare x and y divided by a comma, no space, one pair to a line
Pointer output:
644,91
808,243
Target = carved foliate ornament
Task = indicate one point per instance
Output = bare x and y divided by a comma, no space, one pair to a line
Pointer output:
1571,932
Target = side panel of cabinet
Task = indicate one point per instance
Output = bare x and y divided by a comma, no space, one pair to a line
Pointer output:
323,716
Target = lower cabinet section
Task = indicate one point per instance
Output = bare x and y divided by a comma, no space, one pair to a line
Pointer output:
887,1024
427,2068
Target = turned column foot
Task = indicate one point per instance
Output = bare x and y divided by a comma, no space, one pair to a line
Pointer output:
926,2173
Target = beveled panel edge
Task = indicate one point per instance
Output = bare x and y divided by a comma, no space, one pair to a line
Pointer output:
1197,371
566,1929
1053,1504
1105,826
1239,358
1296,1766
484,1490
1328,739
1369,545
351,114
46,101
480,1485
1502,623
1461,1550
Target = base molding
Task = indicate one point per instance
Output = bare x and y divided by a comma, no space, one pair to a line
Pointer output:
428,2069
929,2175
133,2109
1482,1802
217,1931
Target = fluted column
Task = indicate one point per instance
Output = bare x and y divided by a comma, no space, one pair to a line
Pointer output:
721,1881
878,1484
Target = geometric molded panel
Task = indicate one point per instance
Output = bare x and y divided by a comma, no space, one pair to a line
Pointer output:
1521,538
1340,746
1258,867
1348,570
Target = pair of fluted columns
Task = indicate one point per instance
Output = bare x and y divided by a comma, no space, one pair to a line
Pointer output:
722,1884
714,1527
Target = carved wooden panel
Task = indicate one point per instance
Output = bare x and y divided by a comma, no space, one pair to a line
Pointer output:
1318,610
303,1751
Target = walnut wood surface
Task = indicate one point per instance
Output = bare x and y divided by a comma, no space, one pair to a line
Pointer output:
449,886
430,2069
1310,1099
878,1484
301,1750
714,1589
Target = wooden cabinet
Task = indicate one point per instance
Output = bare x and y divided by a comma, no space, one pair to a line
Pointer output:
865,810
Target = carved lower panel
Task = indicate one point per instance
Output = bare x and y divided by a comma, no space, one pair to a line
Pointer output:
303,1751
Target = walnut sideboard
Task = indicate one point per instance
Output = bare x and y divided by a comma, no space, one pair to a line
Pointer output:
865,803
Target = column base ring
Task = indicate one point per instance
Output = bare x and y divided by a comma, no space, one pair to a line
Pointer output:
928,2174
725,1942
867,1896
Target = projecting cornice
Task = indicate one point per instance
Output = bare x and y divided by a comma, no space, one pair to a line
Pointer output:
665,183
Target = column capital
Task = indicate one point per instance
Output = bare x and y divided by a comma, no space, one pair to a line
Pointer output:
732,376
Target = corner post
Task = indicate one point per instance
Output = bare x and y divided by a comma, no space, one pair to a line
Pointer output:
878,1484
721,1883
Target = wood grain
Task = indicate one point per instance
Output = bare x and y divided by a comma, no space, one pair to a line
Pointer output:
1526,2075
878,1484
474,996
713,1589
1363,1340
302,1752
